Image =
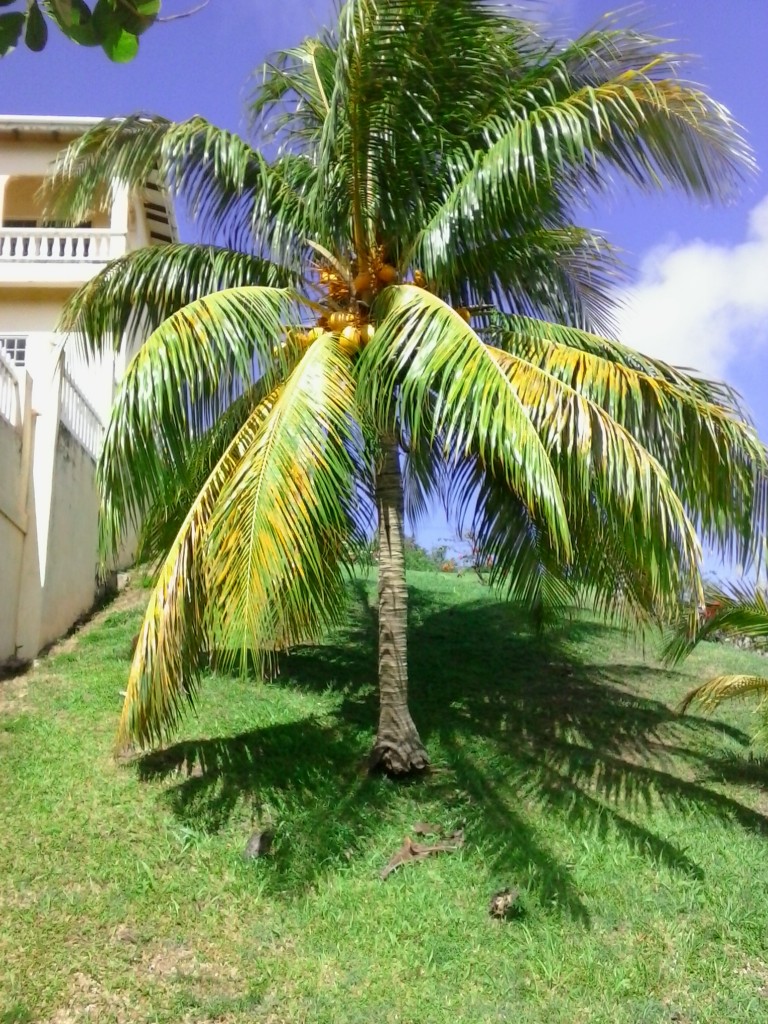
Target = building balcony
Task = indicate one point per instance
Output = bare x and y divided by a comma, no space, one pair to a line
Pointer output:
56,256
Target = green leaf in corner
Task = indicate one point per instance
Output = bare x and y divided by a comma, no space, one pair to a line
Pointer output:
120,46
36,32
136,16
118,42
11,27
75,20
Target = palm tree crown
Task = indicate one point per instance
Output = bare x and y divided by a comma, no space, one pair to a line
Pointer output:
395,304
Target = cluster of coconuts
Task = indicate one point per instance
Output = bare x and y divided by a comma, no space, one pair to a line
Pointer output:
352,324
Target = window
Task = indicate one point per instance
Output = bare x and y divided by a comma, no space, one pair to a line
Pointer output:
15,348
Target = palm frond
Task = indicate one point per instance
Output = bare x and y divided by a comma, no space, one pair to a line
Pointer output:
710,695
223,183
558,451
737,610
175,492
133,295
607,571
257,563
289,517
561,132
164,674
715,461
565,274
428,367
601,464
187,372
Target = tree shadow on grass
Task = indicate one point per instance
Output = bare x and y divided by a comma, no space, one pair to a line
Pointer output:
304,775
516,724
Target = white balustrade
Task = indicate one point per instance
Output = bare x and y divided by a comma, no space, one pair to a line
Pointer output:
79,416
60,245
9,392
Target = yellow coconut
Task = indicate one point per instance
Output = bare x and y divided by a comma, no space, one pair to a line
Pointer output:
340,319
419,279
367,334
464,313
350,340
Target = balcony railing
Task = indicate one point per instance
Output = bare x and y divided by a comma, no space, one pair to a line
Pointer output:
79,417
9,392
60,245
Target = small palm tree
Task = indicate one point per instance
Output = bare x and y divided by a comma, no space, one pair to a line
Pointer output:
395,306
738,611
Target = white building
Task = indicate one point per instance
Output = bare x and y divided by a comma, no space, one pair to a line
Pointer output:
52,410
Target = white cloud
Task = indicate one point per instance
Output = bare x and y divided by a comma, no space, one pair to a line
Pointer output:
699,304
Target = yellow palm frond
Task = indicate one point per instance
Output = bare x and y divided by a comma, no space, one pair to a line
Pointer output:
173,634
710,695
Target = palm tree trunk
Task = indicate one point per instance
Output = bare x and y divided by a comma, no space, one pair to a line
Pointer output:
398,748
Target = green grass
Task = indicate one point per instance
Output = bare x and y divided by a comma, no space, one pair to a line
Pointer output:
637,837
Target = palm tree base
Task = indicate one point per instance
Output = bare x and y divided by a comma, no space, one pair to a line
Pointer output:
398,751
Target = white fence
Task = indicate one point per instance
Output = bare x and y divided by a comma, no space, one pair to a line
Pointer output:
79,416
63,245
10,409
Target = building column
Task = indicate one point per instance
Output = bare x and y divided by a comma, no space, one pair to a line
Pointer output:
46,399
3,182
118,222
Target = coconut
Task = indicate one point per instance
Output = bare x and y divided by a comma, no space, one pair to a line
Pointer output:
350,340
339,319
362,283
387,274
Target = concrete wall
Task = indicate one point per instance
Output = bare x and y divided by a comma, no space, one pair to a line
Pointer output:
72,556
49,572
12,533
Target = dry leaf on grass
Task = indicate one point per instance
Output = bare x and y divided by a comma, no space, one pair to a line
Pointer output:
411,851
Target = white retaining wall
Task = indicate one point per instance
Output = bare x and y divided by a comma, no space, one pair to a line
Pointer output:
50,436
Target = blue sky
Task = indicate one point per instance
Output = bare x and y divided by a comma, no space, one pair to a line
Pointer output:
699,294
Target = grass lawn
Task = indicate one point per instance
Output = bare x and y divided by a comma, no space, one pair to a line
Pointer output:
638,838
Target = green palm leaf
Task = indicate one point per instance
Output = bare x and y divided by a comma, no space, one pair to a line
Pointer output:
224,183
288,520
184,375
257,564
691,426
423,349
737,610
178,485
133,295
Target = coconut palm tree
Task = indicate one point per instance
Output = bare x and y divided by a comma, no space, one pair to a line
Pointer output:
738,611
394,305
